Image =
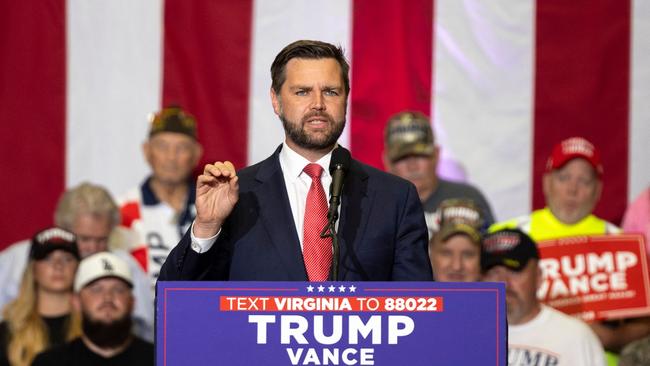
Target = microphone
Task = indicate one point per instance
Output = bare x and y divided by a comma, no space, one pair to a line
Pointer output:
339,165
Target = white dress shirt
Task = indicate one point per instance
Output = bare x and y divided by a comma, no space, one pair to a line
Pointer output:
297,183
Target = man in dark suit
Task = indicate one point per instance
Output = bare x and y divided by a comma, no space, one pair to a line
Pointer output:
263,223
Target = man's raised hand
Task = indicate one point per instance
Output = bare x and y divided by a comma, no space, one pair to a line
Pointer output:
217,192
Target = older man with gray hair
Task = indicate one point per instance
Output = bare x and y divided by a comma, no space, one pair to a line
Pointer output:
410,152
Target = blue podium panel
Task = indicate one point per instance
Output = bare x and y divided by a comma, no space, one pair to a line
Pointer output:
330,323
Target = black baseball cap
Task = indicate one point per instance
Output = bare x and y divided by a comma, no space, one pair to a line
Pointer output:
511,248
46,241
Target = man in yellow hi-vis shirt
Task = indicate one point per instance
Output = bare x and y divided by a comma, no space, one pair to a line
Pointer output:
572,186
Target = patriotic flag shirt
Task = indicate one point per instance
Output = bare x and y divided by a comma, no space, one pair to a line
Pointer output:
157,225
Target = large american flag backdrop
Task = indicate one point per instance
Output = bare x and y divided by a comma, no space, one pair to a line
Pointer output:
503,80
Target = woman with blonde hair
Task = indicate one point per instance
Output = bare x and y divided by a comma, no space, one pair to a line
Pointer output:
41,316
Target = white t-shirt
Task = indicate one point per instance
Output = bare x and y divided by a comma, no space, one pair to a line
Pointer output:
553,338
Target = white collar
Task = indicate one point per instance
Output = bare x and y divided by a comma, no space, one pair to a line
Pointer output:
293,163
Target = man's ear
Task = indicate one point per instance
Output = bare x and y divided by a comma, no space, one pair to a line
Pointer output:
275,101
388,166
146,151
436,157
540,278
599,189
198,152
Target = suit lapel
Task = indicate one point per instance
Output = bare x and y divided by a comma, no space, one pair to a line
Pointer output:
355,208
277,217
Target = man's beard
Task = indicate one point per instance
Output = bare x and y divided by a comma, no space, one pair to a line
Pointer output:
107,335
296,132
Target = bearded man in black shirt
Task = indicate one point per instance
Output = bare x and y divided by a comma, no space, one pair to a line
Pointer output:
103,295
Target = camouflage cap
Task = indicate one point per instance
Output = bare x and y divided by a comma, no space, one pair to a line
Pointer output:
459,216
408,133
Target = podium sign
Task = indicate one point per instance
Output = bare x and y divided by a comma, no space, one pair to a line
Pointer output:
330,323
596,277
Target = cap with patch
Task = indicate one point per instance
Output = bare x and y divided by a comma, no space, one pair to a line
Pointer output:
49,240
571,148
101,265
510,248
408,133
172,119
459,216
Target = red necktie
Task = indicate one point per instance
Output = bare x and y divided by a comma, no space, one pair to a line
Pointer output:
316,251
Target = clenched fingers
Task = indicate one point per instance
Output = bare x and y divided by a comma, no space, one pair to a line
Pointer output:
220,169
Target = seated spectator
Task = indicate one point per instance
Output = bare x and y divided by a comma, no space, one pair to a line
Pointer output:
161,209
41,316
572,187
103,297
90,213
411,153
455,250
535,331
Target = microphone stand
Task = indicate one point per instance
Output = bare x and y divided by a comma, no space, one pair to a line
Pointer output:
330,231
338,168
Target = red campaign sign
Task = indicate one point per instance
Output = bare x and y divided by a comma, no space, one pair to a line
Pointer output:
596,277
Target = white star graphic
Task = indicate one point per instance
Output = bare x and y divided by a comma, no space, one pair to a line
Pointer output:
331,288
321,288
341,288
353,288
310,288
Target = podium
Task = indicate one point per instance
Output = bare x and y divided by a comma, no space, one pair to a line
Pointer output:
330,323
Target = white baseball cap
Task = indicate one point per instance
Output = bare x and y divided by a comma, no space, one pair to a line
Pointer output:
101,265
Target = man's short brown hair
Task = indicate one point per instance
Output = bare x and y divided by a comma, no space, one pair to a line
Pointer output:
312,50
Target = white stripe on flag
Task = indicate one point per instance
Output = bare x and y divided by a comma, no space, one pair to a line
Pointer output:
482,101
113,82
639,168
276,24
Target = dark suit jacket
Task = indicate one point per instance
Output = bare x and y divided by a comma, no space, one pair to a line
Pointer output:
382,232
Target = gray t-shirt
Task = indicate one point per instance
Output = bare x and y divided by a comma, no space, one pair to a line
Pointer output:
447,189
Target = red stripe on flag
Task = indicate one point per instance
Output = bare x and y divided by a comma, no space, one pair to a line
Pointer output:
206,71
392,61
582,89
32,95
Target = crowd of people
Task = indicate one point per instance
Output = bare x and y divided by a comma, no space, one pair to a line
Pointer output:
466,245
43,310
463,235
82,291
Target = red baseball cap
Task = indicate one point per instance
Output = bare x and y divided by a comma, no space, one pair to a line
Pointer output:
571,148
